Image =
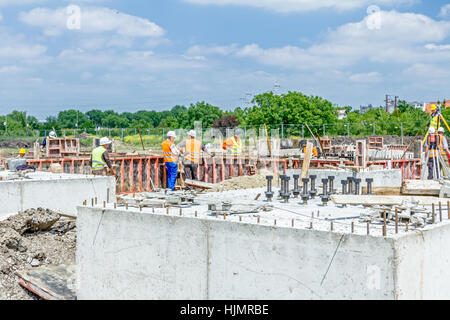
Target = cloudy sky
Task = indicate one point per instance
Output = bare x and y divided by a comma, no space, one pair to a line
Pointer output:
133,55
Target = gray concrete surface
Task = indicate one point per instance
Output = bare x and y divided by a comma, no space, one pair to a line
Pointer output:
128,254
59,192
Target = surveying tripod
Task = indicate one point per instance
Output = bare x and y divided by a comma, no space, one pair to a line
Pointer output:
437,162
440,119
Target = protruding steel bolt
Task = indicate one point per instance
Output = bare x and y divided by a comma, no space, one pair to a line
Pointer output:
269,193
305,194
282,177
344,186
313,192
331,184
296,190
287,193
357,186
350,185
325,197
369,186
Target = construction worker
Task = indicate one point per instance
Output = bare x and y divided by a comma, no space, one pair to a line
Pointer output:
432,150
234,144
315,151
443,147
52,135
435,118
100,158
192,148
22,153
171,153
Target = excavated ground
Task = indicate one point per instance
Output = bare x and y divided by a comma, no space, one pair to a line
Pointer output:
30,239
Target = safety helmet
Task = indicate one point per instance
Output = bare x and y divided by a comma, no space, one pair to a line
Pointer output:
52,134
192,133
441,130
22,151
238,132
104,141
433,107
171,134
432,130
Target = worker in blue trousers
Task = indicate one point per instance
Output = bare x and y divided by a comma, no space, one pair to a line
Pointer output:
170,152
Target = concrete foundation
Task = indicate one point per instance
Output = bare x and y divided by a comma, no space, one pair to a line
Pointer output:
129,254
382,178
59,192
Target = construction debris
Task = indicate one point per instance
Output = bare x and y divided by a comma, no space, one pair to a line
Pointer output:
160,198
245,182
31,239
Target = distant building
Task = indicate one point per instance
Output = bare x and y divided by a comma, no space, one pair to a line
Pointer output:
364,109
342,114
445,105
418,105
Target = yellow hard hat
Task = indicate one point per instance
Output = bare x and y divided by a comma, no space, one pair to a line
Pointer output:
433,107
22,151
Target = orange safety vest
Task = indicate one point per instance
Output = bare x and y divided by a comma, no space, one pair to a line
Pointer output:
167,152
234,144
434,144
314,151
441,146
193,147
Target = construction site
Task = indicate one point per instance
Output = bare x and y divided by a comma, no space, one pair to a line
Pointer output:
283,219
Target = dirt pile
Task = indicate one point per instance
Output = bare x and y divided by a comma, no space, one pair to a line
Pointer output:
246,182
18,144
30,239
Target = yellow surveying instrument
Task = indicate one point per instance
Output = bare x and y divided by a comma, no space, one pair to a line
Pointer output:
436,119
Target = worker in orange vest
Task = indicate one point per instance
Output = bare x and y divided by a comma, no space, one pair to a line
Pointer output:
315,151
193,148
170,152
443,147
234,143
432,144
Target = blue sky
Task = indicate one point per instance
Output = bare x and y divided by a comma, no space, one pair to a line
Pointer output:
134,55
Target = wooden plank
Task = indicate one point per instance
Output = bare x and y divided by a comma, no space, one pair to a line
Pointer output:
307,160
421,187
384,191
50,282
200,184
384,200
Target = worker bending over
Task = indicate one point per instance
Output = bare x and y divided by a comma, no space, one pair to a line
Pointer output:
432,144
51,135
100,158
170,152
443,147
234,144
22,154
191,160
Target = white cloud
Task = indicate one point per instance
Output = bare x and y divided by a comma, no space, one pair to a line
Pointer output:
1,17
403,38
370,77
286,6
432,46
93,20
445,11
9,69
16,47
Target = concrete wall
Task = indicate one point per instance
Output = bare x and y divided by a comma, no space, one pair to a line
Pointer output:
382,178
134,255
58,192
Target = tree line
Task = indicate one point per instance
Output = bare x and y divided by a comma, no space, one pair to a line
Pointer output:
294,108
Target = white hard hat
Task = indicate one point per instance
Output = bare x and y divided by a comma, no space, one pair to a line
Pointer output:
52,134
171,134
432,130
192,133
104,141
441,129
